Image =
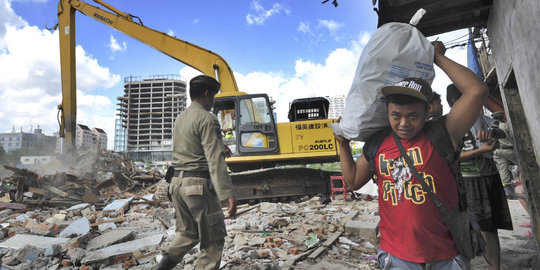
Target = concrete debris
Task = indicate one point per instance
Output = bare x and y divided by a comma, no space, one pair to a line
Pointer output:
117,207
122,249
77,228
109,238
105,214
20,240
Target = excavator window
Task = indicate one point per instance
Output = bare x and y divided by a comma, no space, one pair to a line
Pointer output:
254,112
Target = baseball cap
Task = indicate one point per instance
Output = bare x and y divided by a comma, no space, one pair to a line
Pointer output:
209,82
413,87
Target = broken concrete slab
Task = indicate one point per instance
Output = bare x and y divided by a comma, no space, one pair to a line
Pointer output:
364,229
146,198
117,207
78,207
56,218
108,239
29,253
77,228
20,240
122,249
106,226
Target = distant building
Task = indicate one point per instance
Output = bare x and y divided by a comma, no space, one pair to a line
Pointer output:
148,110
84,138
337,106
100,138
22,140
120,136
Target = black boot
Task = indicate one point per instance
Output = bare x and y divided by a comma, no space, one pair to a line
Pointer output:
165,263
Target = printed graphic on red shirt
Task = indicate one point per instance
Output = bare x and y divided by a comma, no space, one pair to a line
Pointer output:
402,188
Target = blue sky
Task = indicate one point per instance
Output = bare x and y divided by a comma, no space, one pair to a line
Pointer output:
287,49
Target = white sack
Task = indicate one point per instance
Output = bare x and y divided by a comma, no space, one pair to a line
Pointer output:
396,51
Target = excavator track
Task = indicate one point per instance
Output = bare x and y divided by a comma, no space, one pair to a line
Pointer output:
278,183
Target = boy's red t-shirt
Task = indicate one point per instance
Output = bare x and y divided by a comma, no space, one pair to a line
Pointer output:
411,226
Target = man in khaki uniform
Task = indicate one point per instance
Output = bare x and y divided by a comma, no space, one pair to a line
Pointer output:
200,179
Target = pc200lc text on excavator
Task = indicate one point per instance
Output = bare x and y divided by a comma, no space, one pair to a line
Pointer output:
247,119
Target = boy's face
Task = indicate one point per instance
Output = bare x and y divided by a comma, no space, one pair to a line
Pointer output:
406,120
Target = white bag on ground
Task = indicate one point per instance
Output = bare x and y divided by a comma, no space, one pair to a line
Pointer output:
396,51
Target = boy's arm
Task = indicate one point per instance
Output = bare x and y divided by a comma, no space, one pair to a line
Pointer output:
356,175
465,111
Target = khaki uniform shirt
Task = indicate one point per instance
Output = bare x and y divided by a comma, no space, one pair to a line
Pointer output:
197,146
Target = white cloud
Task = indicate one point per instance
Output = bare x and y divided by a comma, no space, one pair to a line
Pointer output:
333,77
260,14
8,18
170,33
115,47
331,25
30,79
196,21
304,27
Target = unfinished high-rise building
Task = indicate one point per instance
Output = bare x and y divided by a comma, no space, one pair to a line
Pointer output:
148,110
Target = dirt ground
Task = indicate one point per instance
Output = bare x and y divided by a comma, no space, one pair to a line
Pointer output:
517,249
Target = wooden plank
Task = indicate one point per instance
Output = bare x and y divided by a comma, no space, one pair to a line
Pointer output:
348,217
14,206
37,190
332,239
325,245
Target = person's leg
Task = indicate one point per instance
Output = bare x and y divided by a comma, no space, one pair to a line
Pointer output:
211,226
210,257
503,165
186,230
493,249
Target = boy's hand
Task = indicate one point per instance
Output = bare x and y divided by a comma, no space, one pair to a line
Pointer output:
439,47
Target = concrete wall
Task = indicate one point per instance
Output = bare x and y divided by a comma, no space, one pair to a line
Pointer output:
514,32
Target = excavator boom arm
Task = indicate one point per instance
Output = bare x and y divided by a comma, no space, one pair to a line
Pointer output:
192,55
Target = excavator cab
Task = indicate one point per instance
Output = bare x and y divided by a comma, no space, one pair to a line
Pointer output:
247,124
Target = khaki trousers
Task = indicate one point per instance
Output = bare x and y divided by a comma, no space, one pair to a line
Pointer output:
503,159
199,219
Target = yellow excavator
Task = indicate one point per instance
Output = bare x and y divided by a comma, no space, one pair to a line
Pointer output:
257,142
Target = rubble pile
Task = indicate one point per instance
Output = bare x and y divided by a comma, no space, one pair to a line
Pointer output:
115,218
94,177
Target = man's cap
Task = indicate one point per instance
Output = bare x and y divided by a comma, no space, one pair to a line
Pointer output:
498,116
413,87
209,82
